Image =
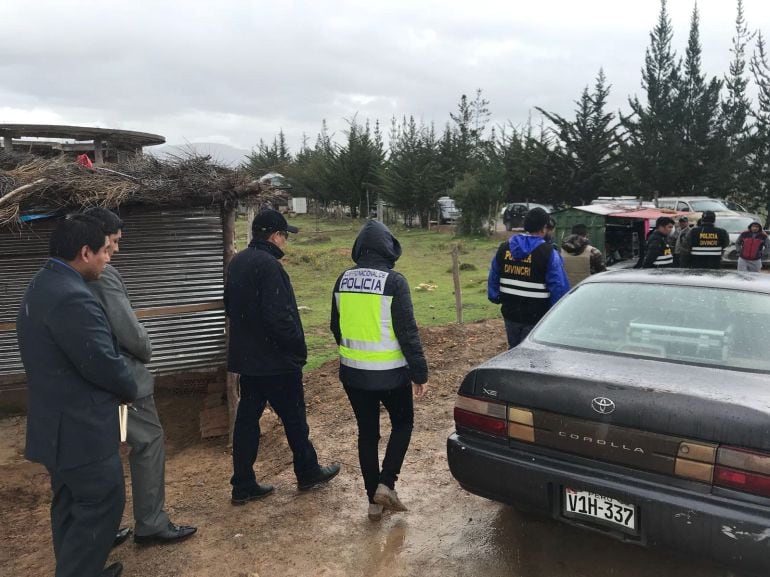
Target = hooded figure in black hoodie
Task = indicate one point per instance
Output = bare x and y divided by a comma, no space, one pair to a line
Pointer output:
381,358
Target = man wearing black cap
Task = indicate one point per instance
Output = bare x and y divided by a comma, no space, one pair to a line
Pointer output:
267,349
526,277
707,243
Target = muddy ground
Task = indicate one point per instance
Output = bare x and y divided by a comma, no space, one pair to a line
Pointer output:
325,533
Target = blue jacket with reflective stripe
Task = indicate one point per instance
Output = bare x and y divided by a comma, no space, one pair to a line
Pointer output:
521,246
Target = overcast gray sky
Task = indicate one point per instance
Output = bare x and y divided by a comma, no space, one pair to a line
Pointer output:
233,72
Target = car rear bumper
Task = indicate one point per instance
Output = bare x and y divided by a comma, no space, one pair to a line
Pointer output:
698,523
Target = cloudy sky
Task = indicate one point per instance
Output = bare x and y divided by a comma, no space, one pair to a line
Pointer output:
232,72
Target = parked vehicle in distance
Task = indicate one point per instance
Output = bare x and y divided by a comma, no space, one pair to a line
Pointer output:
638,407
734,225
692,204
513,213
630,201
732,205
447,211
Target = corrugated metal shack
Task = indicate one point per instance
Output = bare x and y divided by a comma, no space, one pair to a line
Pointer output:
176,245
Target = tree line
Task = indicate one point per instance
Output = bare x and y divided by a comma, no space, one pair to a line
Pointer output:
688,134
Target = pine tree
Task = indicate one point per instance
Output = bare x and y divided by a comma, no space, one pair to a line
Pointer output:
264,159
703,149
413,178
358,164
760,160
651,143
735,115
588,145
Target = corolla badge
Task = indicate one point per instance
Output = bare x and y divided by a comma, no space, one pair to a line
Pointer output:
603,405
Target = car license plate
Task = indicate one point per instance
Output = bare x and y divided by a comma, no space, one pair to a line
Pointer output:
605,509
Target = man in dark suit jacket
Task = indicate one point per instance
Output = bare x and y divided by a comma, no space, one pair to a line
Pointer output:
76,379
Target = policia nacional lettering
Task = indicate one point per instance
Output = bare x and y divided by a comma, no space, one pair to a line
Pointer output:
366,326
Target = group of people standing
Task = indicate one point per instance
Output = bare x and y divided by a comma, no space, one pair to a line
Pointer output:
701,246
530,273
85,354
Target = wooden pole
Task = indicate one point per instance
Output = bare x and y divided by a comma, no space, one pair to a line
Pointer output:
456,278
11,196
228,234
98,152
249,219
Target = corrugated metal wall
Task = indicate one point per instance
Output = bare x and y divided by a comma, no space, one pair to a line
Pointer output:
171,262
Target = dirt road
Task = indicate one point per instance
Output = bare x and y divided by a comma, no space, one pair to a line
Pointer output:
325,533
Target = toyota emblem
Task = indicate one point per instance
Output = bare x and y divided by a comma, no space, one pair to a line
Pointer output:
603,405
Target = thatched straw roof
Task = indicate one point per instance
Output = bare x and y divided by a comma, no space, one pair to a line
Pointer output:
29,183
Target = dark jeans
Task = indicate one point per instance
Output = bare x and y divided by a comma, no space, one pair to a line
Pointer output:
287,397
86,509
366,406
516,332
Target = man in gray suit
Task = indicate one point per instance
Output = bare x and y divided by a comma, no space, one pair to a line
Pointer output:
144,433
76,379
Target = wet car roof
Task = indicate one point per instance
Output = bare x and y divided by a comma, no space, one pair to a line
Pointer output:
724,279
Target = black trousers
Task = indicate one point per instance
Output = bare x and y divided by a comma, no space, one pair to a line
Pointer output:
287,397
366,407
516,332
86,509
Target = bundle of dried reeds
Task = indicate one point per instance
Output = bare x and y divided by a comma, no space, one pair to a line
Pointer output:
59,184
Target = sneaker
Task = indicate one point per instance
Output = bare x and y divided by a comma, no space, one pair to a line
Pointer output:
375,512
323,475
243,496
388,498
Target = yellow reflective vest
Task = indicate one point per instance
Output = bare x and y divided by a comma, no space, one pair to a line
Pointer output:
367,339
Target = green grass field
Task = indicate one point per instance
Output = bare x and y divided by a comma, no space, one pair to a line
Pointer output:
321,251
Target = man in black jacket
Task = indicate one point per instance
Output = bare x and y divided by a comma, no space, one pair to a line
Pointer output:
707,242
381,358
267,349
657,253
76,379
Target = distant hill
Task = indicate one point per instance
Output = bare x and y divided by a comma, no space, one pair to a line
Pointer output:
220,153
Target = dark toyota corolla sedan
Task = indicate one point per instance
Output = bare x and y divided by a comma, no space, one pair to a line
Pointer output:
638,407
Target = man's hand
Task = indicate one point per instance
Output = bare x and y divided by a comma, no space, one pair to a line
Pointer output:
419,390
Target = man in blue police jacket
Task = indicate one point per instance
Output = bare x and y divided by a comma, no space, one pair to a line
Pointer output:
526,277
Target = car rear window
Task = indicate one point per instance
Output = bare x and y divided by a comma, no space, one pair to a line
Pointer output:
710,326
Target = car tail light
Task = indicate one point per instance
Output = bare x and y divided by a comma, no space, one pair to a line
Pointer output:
695,461
743,470
521,424
480,415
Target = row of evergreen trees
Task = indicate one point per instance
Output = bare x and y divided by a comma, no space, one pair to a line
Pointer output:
690,135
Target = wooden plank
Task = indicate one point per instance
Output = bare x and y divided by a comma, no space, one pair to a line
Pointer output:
156,312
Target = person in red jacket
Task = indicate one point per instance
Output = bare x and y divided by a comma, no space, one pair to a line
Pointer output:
751,244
